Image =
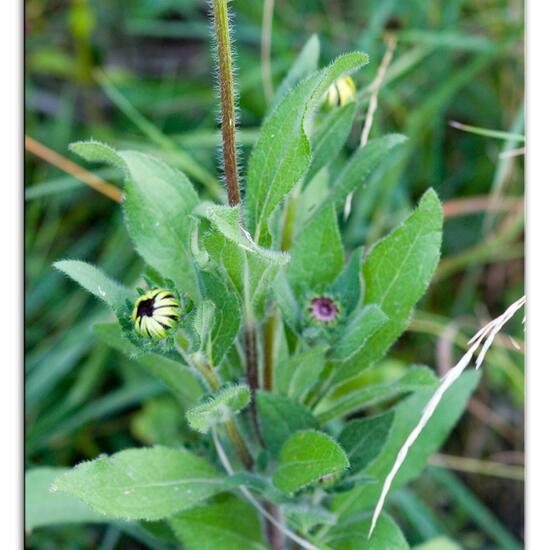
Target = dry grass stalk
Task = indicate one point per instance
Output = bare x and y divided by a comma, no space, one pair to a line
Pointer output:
483,338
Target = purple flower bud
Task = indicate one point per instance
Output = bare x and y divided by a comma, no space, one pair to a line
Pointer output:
324,309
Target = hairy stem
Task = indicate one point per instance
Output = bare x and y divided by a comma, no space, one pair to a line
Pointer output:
238,444
227,101
269,348
252,376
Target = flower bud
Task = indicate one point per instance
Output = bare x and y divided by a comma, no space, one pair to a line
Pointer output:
155,313
341,92
323,310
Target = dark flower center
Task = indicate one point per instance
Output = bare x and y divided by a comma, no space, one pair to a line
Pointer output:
324,309
146,308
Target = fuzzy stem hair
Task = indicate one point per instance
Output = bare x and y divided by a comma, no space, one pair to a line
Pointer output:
227,100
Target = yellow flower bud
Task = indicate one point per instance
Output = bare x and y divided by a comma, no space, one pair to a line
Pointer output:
155,313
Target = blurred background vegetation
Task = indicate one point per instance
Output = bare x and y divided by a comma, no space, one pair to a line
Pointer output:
138,74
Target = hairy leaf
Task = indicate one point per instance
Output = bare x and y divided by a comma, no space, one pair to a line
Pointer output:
282,155
407,414
331,136
96,282
416,378
297,374
317,254
158,203
307,457
280,417
219,408
359,332
354,535
396,274
359,166
150,483
227,315
229,523
363,439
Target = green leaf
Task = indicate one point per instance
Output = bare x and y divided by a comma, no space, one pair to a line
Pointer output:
227,315
305,64
219,408
179,378
96,282
397,272
297,374
280,417
317,254
44,507
159,200
282,155
307,457
334,406
359,332
307,516
354,535
226,220
250,263
150,483
203,322
359,166
286,300
363,439
95,151
229,523
407,414
332,134
347,286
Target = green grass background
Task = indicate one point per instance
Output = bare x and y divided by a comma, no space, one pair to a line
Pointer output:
139,74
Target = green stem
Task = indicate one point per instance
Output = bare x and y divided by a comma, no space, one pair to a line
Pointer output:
228,115
209,375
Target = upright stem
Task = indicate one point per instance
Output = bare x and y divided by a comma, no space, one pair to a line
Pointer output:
227,101
252,375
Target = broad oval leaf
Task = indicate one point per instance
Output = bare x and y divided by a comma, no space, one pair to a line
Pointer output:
354,535
229,523
307,457
363,439
150,483
280,417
